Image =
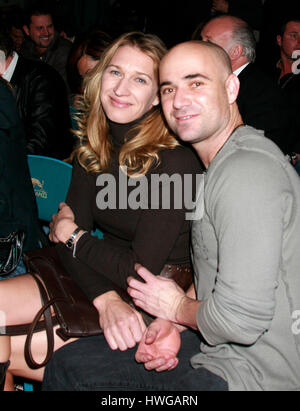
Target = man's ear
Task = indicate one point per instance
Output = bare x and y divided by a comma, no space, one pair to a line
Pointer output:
232,87
26,29
235,52
279,40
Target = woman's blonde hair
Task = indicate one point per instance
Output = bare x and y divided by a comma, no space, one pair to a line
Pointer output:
149,136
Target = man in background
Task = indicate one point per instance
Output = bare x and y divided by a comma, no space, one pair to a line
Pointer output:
288,67
18,210
42,102
259,99
15,29
43,42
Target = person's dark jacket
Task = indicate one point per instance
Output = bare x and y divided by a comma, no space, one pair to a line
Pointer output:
18,210
43,107
261,106
290,89
55,56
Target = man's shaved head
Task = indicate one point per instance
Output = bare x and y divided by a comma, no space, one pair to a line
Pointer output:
218,54
199,91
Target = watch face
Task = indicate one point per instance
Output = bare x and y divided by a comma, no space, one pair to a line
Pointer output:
69,243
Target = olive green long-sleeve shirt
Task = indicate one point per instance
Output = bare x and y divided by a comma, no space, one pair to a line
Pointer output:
246,254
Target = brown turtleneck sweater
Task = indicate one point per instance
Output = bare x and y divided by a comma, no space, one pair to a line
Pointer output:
151,237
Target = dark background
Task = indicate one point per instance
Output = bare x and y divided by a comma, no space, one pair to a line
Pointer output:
173,20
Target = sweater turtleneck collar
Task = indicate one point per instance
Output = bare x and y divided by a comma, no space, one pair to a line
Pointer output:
119,131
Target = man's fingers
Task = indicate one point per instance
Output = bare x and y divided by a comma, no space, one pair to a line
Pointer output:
148,278
162,364
143,358
135,284
145,274
169,365
136,294
151,334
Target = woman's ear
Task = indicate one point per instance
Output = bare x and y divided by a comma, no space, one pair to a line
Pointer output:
156,101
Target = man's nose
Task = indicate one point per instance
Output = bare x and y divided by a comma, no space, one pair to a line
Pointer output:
181,99
45,31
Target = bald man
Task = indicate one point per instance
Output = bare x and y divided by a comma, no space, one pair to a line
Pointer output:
244,306
259,99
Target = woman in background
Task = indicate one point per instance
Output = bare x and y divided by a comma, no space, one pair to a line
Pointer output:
84,56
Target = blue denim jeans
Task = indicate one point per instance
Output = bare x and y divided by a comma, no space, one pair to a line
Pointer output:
21,269
90,365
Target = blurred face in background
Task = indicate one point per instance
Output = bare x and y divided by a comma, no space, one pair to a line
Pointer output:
41,30
17,37
290,40
85,64
218,31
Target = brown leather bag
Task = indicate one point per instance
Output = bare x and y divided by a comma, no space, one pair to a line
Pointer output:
75,314
71,309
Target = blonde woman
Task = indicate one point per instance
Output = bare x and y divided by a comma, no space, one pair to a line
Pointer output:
124,145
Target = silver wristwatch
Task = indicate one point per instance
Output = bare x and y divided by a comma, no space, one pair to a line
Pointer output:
70,242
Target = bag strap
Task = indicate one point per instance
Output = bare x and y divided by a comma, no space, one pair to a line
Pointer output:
49,324
37,325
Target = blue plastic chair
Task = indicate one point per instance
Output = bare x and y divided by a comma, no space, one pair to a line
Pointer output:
51,180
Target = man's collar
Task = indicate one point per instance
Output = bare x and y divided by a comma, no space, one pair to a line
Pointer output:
285,70
7,75
240,69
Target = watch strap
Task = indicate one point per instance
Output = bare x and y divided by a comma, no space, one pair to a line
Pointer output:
70,242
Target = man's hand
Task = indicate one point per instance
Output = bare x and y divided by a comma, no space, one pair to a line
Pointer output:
164,299
159,346
158,296
122,325
62,224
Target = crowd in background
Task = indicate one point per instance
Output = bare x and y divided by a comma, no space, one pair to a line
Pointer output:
51,50
81,30
173,23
